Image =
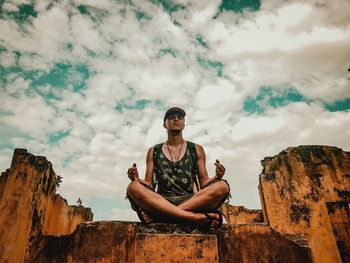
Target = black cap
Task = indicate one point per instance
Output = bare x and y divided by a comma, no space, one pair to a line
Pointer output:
174,110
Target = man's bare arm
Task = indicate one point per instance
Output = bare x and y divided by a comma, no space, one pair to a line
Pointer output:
149,166
202,170
133,172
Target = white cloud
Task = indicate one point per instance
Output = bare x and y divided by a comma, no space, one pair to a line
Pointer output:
31,115
7,59
124,214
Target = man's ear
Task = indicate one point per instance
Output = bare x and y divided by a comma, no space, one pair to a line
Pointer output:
164,125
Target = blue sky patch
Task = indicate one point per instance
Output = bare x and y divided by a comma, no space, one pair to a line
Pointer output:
54,138
83,10
69,47
272,97
25,74
63,75
201,41
23,13
211,64
338,105
141,16
138,105
239,6
66,160
2,49
96,14
168,5
1,3
7,133
165,51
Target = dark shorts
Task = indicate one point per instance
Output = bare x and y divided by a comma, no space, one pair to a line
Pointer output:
179,199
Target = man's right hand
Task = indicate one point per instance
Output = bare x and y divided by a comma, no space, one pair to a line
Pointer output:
133,173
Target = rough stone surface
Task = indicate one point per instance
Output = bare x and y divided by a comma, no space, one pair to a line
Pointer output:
241,215
3,181
176,248
29,206
96,242
135,242
305,217
296,186
259,243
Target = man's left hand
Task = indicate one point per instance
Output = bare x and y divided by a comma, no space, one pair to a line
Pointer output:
219,170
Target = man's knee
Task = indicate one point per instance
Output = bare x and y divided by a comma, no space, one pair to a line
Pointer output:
222,188
133,188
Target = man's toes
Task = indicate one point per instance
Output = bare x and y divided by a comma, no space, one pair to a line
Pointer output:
146,217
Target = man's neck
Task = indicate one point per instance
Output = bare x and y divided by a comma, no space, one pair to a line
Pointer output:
175,140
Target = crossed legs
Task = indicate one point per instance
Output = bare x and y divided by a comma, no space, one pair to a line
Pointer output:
193,210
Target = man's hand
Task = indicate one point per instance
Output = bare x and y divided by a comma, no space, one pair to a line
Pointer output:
133,173
219,170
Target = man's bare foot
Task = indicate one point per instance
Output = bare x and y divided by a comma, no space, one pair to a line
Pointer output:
144,216
214,220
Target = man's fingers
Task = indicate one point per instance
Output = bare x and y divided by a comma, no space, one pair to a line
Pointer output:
133,168
220,172
220,169
219,165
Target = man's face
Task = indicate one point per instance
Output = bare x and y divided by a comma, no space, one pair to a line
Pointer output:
175,122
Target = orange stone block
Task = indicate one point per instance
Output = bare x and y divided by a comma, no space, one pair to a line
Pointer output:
176,248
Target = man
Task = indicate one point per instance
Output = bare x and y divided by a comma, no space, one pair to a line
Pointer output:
171,166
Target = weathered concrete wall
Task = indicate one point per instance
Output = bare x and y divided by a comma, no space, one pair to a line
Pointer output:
99,242
295,186
259,243
3,181
194,248
27,205
237,215
63,218
305,196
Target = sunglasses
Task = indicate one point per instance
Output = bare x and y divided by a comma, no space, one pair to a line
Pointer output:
174,116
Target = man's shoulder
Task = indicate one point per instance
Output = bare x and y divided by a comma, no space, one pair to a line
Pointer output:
156,148
198,146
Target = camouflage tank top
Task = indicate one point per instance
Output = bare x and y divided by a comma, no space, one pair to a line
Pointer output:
176,185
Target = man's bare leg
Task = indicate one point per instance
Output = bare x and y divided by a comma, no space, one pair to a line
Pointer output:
152,202
207,199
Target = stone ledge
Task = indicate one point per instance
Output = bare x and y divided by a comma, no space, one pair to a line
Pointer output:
116,241
176,248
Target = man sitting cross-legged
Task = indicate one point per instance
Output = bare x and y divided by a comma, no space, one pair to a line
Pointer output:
174,166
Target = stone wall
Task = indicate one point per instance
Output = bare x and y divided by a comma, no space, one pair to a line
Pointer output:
113,241
30,207
3,181
305,217
63,218
306,190
238,215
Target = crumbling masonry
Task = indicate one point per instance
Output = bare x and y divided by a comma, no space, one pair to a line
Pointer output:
304,193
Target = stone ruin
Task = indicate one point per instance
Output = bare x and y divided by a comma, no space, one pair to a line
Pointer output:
305,217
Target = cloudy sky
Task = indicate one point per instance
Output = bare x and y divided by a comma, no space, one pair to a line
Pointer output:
86,84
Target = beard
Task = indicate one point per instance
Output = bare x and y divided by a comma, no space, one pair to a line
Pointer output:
175,131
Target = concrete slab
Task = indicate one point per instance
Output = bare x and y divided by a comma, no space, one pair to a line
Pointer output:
176,248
